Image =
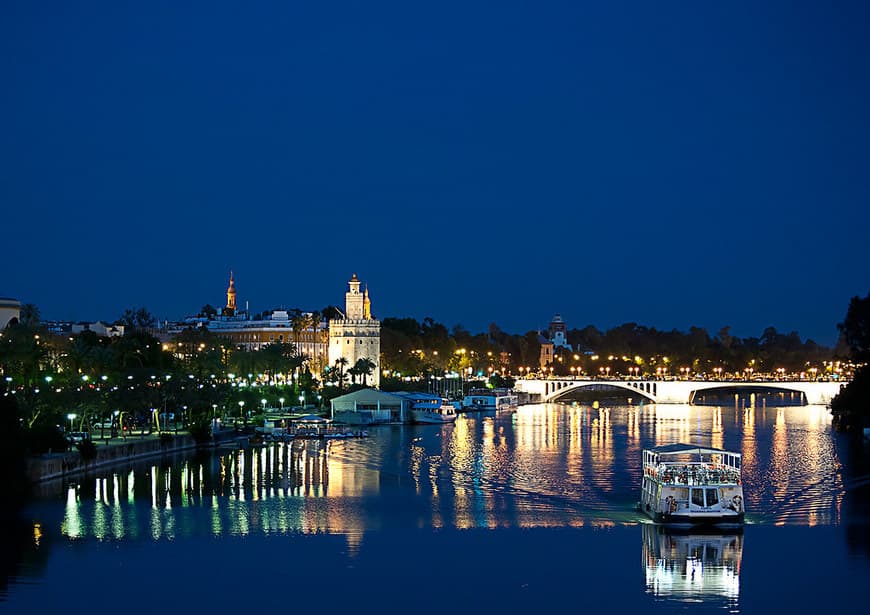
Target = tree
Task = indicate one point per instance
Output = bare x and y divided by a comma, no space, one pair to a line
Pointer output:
855,328
208,311
340,365
315,319
137,319
29,315
851,407
330,312
364,367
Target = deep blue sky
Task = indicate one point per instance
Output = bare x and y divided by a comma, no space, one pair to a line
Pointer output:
671,164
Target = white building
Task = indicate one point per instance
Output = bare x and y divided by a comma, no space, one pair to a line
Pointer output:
100,328
369,407
357,335
10,310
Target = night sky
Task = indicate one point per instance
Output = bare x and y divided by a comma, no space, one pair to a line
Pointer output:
670,164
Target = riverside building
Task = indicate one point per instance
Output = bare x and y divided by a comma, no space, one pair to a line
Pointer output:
357,335
305,330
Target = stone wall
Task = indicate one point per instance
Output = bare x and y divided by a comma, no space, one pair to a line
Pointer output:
58,465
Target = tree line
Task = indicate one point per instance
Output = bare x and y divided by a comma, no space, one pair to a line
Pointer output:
414,347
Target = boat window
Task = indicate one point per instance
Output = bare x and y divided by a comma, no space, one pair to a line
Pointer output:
698,497
712,497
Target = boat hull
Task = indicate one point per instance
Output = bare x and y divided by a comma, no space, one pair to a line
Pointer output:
697,521
430,418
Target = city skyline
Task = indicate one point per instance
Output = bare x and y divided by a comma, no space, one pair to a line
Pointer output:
669,166
243,310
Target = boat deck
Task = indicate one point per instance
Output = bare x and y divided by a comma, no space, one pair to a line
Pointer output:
693,474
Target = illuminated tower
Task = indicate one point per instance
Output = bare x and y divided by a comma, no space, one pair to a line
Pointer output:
230,310
353,300
559,332
357,335
367,305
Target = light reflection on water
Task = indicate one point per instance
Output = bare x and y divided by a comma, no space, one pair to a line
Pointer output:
542,466
688,566
549,466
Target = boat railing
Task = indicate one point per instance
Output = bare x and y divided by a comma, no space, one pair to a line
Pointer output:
693,474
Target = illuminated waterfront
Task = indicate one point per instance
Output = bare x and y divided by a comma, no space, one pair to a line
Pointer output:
535,505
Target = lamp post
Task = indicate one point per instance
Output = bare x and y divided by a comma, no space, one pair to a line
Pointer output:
281,401
302,401
241,409
71,418
263,401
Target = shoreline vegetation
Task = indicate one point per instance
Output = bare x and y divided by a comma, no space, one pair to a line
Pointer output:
851,408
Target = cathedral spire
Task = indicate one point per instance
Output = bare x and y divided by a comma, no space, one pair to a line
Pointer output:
230,309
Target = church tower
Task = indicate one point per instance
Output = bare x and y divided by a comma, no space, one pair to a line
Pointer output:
357,335
230,309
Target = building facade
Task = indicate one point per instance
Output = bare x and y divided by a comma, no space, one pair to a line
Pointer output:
309,337
357,335
10,311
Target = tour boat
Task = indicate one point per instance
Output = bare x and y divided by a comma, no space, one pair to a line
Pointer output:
433,413
692,485
489,399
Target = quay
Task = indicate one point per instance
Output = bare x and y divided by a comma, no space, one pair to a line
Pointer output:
116,450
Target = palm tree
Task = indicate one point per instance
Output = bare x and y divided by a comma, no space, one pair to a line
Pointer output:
364,367
340,364
315,317
29,315
298,323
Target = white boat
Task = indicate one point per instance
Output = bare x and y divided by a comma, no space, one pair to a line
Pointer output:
433,413
489,399
685,484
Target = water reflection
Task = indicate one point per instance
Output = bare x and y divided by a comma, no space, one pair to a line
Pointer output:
546,465
692,567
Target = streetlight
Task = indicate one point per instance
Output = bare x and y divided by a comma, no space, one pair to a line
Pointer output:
263,401
302,400
241,408
281,401
71,418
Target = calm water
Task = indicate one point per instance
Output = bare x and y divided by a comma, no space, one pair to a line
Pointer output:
526,510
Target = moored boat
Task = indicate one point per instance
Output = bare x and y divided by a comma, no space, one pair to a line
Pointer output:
692,485
489,399
442,412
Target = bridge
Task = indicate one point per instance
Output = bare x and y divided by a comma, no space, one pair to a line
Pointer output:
676,391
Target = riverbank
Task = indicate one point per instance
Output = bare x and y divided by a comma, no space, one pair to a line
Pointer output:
60,465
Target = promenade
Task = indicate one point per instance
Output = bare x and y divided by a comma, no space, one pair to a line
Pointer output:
109,451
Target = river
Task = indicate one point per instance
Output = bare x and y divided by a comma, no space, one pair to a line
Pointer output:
533,509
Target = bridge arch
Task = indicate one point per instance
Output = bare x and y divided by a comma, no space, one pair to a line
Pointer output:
559,388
